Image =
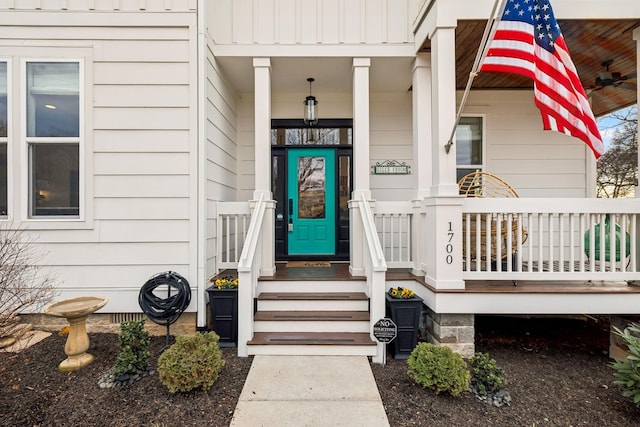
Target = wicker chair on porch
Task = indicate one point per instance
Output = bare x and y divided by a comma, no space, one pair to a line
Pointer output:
484,184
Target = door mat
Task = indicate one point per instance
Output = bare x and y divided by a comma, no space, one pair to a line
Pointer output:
314,264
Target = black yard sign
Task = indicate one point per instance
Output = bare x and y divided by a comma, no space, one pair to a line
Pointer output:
385,330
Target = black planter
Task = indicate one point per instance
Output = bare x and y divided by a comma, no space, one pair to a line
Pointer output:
405,313
223,315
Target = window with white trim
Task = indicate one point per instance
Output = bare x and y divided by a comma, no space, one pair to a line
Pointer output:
52,118
469,145
4,128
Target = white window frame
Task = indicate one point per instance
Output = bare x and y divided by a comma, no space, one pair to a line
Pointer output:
8,139
482,165
25,142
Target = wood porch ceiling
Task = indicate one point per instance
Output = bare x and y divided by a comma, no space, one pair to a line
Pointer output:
590,43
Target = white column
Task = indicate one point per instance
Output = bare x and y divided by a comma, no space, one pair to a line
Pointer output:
262,120
443,226
360,161
422,156
443,109
361,127
262,168
422,129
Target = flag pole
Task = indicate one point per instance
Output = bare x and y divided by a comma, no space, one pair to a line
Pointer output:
489,29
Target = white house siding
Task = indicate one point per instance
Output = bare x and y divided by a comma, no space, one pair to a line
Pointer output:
536,163
140,141
221,150
290,22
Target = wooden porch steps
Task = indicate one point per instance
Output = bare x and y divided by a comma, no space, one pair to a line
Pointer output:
311,316
310,338
325,319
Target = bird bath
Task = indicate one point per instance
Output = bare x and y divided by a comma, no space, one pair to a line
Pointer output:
76,311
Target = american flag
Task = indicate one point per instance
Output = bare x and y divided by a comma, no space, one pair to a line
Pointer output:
528,41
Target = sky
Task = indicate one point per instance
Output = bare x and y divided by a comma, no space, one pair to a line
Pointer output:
608,125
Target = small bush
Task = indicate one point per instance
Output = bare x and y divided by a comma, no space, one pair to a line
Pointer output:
134,348
487,374
628,371
193,361
438,368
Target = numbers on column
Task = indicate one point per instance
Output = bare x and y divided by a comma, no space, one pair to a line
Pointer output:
449,246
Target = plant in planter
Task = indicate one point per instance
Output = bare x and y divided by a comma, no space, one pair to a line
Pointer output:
404,307
223,309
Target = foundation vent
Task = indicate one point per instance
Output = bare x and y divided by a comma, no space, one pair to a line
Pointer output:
126,317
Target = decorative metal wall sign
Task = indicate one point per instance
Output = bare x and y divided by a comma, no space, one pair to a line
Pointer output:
390,167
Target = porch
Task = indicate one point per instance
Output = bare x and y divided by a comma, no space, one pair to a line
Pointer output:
557,257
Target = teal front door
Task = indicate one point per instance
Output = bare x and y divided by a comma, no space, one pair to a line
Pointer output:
311,204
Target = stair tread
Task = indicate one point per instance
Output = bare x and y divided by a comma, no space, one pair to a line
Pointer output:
312,315
311,338
337,296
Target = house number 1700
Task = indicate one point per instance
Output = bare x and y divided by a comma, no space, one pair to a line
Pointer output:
449,246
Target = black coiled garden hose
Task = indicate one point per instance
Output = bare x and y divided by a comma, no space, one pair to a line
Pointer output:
165,311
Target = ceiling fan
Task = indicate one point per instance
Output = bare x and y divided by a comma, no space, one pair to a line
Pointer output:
612,78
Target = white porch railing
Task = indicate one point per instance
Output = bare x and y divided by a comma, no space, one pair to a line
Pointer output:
232,224
248,272
394,222
550,239
375,269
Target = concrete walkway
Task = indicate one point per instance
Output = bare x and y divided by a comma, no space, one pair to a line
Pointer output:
301,391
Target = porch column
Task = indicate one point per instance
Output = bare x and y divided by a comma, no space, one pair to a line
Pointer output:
422,156
361,127
443,206
360,160
262,122
262,154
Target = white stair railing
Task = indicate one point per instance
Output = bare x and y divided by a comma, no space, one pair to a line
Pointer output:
394,222
248,273
375,268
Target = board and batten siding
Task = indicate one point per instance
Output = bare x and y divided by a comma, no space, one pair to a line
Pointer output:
140,141
328,22
535,162
221,151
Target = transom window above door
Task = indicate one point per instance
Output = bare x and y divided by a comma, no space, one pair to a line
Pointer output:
311,136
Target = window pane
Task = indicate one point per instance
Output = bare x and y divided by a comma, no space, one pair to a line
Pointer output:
3,99
311,187
53,101
469,141
344,169
311,136
55,185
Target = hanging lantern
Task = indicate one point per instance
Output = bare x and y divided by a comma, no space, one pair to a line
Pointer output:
310,107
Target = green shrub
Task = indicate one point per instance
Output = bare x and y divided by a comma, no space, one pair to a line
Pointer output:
193,361
438,368
134,348
628,371
486,373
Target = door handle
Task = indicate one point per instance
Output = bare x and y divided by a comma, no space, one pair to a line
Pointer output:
290,225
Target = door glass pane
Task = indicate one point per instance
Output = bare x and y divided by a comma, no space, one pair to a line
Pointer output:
3,99
54,183
345,186
53,99
311,187
311,136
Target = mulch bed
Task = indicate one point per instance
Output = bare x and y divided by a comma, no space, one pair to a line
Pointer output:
557,371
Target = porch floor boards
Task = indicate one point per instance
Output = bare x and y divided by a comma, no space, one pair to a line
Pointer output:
311,338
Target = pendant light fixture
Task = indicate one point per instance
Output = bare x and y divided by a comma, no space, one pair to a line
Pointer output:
310,107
